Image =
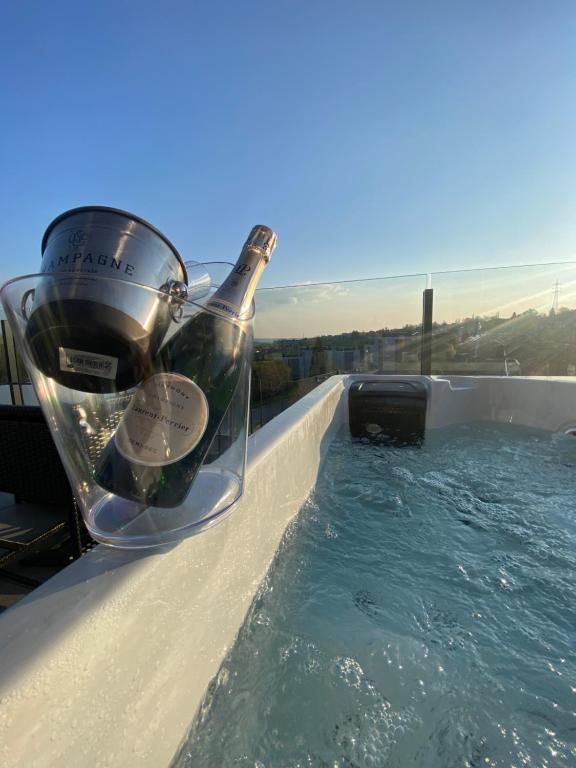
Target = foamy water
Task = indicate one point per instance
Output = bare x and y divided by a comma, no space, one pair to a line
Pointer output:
421,612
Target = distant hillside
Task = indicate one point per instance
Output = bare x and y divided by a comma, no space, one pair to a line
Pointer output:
539,344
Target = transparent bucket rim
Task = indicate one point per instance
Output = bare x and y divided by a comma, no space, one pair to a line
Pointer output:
129,285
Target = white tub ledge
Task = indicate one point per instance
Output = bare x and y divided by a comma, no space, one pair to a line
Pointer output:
107,663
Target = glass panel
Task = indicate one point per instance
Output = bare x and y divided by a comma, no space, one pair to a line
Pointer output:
3,362
505,322
306,333
23,375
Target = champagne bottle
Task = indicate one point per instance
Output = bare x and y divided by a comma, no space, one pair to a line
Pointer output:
174,415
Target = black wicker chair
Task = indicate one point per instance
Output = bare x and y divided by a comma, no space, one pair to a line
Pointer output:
45,513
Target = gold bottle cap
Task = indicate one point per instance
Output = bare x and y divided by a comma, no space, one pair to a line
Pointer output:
263,238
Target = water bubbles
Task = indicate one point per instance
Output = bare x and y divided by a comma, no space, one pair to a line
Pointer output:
421,612
350,671
366,602
403,474
330,532
367,737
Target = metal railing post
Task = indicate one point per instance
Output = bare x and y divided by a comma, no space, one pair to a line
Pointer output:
426,343
11,364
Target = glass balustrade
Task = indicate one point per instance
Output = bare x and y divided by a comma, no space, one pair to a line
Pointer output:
509,321
305,333
512,321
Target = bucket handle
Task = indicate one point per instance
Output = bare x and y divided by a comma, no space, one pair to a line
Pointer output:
25,296
178,293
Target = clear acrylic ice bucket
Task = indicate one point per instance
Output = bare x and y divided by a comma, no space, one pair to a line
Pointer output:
83,423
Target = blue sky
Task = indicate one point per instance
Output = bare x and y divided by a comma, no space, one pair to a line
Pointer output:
377,138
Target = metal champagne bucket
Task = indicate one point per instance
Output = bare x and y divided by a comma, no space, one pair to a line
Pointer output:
93,334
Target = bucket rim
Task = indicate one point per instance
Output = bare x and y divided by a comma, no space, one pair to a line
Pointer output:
118,212
126,285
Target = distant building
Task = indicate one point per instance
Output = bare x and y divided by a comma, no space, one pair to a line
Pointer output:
386,350
293,362
306,358
299,364
389,352
368,358
343,359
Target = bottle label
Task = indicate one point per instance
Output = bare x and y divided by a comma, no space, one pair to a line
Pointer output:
224,308
76,361
234,297
165,420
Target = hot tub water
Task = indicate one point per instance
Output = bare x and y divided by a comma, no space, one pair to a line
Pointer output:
420,612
